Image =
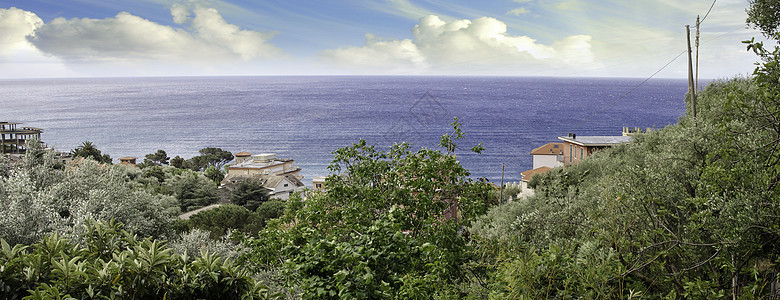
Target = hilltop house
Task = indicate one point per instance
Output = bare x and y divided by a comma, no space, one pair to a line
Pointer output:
550,155
318,183
279,176
572,150
278,186
127,161
575,148
262,164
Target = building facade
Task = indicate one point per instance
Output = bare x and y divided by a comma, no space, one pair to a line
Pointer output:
576,148
13,138
279,176
260,164
550,155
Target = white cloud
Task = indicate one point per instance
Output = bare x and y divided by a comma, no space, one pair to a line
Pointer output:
180,13
15,25
518,11
397,55
402,8
464,45
570,5
206,39
213,29
18,58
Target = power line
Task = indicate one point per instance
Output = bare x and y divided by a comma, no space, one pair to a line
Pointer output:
611,104
708,11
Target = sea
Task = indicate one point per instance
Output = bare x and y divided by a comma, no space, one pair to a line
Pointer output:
306,118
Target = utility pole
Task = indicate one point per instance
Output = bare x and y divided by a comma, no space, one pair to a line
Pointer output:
696,82
691,87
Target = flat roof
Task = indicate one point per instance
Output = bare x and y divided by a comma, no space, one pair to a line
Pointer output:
250,164
595,141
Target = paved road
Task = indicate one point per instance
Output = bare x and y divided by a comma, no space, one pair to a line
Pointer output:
187,215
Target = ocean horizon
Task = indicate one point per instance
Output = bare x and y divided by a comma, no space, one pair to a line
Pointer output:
307,117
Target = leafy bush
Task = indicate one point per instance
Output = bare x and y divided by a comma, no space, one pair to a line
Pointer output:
193,190
388,227
39,197
679,211
112,264
219,221
250,194
198,241
271,209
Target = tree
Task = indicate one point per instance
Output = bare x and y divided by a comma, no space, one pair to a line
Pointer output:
177,162
158,158
765,15
215,175
88,150
389,225
209,157
39,197
271,209
227,217
194,190
249,194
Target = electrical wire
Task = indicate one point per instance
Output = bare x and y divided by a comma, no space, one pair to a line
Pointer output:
611,104
708,11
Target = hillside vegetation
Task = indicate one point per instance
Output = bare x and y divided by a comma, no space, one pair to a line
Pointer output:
690,211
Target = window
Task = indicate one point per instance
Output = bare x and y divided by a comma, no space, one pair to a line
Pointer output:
285,185
571,152
582,151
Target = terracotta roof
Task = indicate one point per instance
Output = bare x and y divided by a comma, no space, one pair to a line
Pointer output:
549,149
243,153
127,158
530,173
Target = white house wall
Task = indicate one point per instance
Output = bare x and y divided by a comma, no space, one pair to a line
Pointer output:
546,161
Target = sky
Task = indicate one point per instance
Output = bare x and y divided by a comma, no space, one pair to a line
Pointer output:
571,38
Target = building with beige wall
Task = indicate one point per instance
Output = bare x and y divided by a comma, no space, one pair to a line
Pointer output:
266,163
576,148
279,176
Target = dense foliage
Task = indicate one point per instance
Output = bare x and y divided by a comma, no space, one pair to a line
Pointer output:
221,220
388,226
113,264
685,212
688,211
250,194
88,149
40,196
159,158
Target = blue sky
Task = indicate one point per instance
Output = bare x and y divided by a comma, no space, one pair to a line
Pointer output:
584,38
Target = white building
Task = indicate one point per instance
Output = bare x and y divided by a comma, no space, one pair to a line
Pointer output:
279,176
266,163
549,155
